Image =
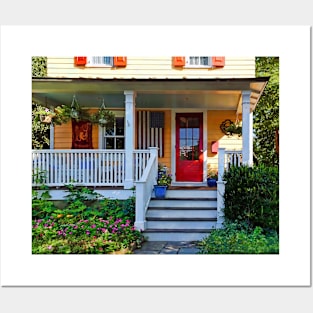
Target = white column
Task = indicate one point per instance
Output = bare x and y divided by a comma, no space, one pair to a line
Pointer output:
247,129
51,136
129,138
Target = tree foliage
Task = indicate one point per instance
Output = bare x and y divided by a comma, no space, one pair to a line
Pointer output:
40,131
39,66
266,115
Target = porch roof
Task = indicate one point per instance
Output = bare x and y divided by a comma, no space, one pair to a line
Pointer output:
211,94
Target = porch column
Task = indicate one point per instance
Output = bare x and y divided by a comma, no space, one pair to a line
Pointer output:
247,129
129,138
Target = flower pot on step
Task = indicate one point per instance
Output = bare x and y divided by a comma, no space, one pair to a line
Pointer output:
160,191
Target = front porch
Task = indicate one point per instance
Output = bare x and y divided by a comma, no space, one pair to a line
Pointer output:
108,169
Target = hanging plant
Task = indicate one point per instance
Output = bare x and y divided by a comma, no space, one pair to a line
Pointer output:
228,127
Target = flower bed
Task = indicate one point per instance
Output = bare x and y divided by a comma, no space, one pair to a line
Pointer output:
73,235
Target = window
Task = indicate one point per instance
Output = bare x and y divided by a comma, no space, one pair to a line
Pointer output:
198,61
101,61
114,134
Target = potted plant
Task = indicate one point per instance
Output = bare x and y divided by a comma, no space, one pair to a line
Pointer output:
46,115
212,178
163,182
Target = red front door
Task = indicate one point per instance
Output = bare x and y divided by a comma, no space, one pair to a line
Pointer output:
189,147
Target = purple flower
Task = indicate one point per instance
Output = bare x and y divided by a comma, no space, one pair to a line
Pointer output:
87,232
93,226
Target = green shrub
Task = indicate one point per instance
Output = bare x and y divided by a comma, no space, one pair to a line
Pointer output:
252,196
235,239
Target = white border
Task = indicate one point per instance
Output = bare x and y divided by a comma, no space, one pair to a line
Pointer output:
290,268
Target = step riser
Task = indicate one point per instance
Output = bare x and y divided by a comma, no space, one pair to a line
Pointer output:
181,225
167,213
183,204
175,236
191,194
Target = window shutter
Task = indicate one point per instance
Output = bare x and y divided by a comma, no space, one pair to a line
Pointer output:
218,61
120,61
80,60
179,61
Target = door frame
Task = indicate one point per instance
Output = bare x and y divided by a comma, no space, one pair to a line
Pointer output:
173,140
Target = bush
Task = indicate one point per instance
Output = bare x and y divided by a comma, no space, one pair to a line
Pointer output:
236,239
252,196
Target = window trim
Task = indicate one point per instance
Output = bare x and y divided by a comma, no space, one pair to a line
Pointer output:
102,132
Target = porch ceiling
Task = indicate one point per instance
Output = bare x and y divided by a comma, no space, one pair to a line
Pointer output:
213,94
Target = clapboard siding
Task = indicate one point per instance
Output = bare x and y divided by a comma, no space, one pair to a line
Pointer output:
214,119
144,67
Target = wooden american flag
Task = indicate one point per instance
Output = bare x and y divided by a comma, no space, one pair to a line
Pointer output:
150,130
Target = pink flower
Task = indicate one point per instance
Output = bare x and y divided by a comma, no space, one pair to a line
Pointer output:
49,247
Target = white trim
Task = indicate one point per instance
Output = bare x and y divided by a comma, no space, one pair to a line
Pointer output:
246,129
51,145
173,140
117,113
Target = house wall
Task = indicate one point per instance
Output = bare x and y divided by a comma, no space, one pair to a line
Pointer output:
151,67
214,119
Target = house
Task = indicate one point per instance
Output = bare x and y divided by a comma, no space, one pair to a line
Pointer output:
168,110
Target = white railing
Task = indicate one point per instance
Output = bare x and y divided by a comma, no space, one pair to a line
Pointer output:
144,188
87,167
226,159
141,158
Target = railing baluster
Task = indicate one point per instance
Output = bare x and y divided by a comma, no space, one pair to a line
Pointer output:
90,167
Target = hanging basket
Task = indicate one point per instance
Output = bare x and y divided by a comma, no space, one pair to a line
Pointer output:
46,118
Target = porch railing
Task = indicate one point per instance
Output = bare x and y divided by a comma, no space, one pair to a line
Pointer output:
226,159
144,188
88,167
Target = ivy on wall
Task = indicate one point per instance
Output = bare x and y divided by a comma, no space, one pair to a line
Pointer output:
39,66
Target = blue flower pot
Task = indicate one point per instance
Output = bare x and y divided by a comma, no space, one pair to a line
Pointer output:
160,191
212,182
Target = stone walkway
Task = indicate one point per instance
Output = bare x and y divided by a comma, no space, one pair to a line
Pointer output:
164,247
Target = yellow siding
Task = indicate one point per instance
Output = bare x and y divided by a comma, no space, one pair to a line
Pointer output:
215,118
151,67
166,160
